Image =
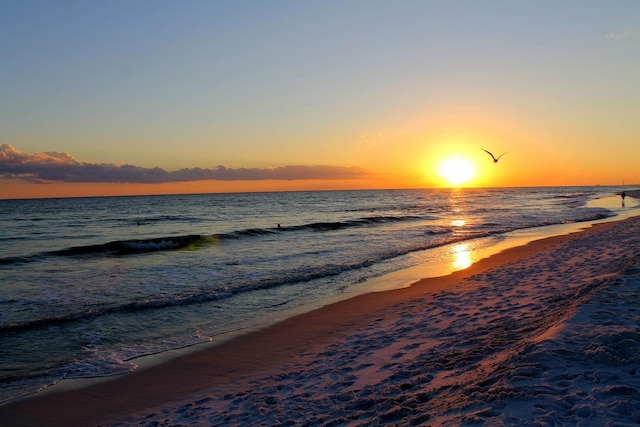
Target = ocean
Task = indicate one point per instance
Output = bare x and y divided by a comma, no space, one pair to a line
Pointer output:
87,285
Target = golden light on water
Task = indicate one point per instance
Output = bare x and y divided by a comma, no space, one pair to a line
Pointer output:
458,223
461,256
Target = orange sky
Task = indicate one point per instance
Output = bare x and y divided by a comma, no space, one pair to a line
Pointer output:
18,190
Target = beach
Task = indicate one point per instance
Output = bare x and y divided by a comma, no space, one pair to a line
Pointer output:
319,213
542,333
88,287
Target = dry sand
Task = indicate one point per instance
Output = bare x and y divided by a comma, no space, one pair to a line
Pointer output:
543,333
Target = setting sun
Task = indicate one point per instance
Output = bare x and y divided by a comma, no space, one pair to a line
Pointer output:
457,171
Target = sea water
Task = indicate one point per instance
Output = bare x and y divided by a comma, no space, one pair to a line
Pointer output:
88,284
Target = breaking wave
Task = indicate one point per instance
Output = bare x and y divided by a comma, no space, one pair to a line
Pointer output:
193,241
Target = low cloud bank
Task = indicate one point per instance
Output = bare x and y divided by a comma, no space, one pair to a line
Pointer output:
62,167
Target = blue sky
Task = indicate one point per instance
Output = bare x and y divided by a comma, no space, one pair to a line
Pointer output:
371,84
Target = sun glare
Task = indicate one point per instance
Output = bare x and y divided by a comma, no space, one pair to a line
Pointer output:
457,171
461,256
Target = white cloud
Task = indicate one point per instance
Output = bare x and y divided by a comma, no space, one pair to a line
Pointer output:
618,36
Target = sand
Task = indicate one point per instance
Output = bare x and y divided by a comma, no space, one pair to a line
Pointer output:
540,334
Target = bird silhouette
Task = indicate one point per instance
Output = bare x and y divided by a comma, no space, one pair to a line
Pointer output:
495,159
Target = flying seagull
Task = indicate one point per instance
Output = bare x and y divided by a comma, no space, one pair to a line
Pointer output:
495,159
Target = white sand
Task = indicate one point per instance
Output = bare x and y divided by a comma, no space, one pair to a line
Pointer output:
549,339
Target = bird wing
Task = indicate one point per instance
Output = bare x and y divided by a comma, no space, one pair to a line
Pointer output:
492,156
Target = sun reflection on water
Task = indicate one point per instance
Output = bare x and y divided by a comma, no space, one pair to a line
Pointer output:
461,256
458,223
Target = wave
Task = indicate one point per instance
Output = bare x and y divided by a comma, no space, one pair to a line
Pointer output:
19,259
359,222
581,215
162,218
126,247
246,233
571,195
434,231
117,248
172,243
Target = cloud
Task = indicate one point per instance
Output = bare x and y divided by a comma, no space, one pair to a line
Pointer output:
62,167
618,36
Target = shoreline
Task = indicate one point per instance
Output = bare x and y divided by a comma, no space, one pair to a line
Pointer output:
255,353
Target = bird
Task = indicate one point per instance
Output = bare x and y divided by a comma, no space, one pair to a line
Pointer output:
495,159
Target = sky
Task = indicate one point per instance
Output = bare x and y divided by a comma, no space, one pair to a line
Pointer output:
151,97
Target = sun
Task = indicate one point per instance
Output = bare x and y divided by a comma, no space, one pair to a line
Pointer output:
457,171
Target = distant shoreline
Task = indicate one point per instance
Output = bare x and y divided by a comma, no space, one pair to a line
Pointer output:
318,190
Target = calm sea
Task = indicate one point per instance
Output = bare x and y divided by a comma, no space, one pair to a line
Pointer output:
88,284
